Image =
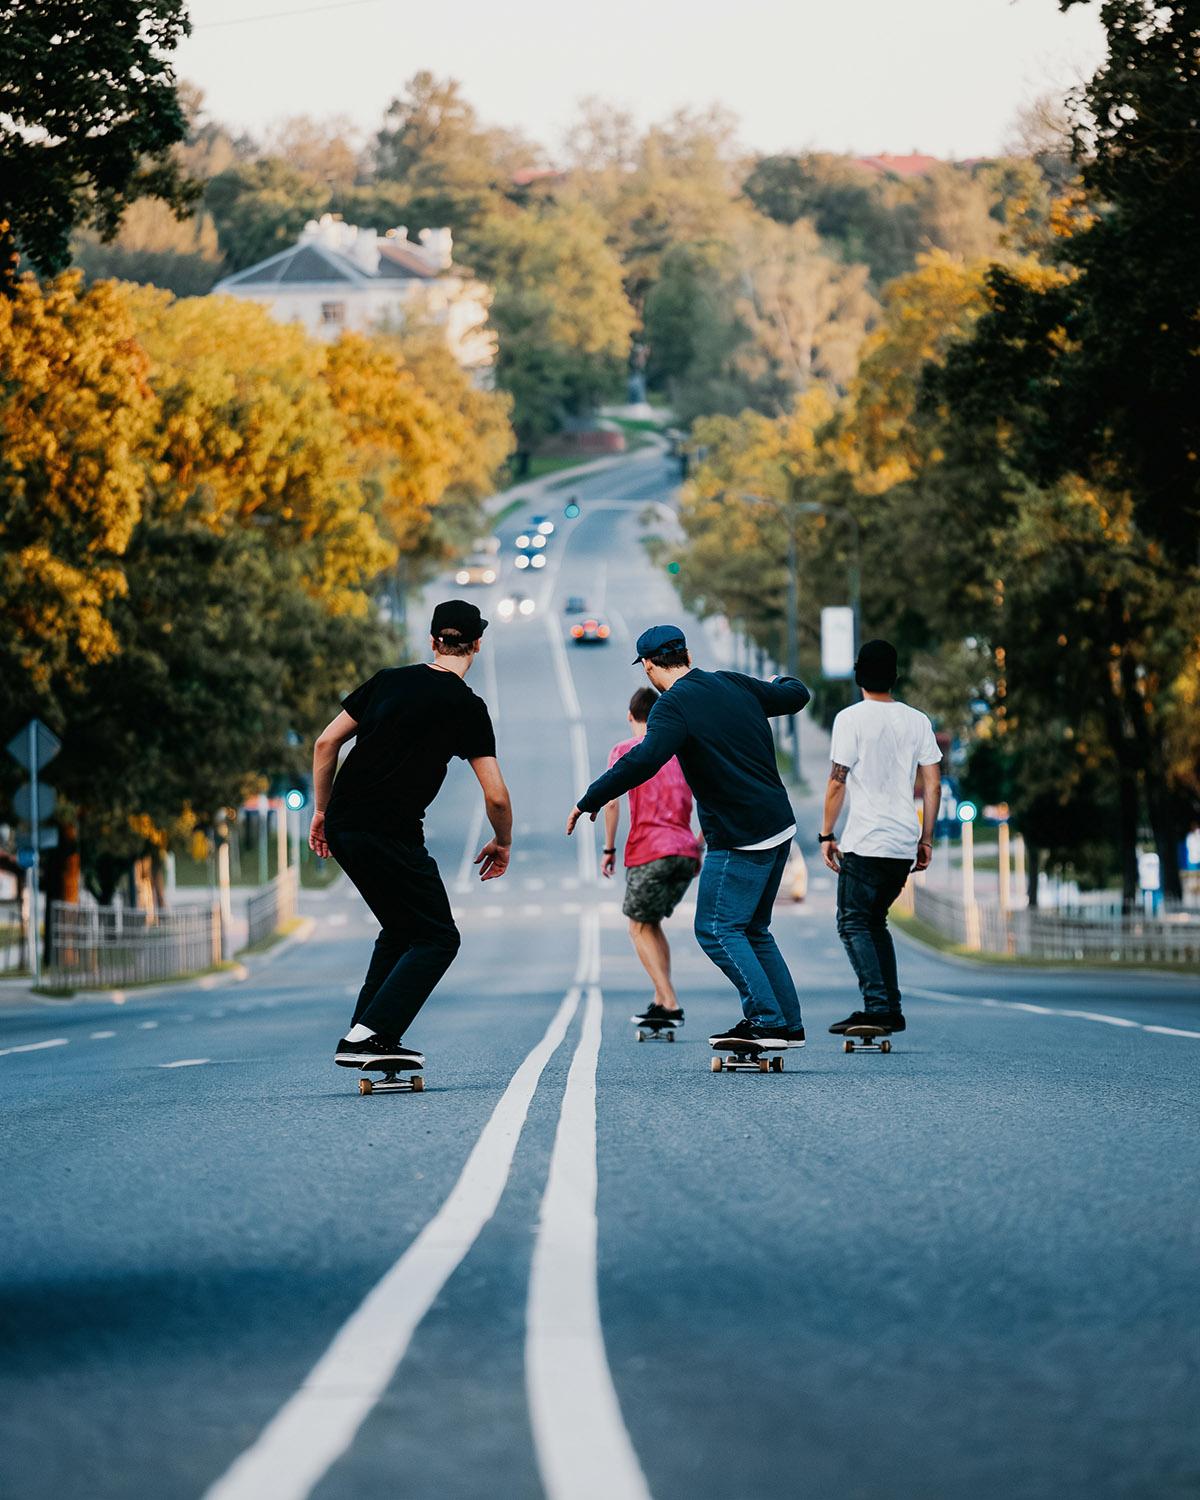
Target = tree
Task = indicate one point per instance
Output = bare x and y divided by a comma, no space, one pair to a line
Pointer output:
694,334
88,116
154,246
260,207
324,150
76,414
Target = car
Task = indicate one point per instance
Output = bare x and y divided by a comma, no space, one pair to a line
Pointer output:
525,560
530,540
516,604
543,524
575,605
590,632
477,569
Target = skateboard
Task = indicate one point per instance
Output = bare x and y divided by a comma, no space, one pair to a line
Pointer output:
391,1083
749,1059
656,1031
870,1039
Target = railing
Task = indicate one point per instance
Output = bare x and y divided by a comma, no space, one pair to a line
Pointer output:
1102,935
100,946
269,908
14,939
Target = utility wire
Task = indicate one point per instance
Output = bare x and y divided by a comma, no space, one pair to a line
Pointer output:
278,15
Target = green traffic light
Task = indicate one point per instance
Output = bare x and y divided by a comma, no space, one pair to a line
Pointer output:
571,510
672,567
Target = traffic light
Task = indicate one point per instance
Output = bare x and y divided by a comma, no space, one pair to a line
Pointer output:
294,798
672,568
571,508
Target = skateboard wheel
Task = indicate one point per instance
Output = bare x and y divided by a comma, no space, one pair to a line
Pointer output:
670,1036
364,1085
764,1065
641,1036
717,1064
847,1045
885,1045
777,1065
418,1084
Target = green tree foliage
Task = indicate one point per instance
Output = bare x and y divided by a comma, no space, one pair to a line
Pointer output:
88,117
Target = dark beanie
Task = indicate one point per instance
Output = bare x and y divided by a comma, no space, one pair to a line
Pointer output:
876,668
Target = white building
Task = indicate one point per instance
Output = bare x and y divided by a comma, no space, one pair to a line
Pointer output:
338,276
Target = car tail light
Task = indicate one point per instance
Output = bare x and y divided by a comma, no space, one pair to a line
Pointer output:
603,632
577,632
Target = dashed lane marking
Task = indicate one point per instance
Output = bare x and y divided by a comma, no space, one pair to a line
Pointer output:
1049,1010
58,1041
187,1062
101,1036
316,1426
147,1025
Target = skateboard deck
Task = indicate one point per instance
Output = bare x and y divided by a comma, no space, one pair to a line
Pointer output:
867,1039
392,1082
656,1031
746,1059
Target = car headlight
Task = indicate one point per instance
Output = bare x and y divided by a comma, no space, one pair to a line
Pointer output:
462,576
538,541
547,528
521,562
489,576
527,606
538,560
523,540
506,608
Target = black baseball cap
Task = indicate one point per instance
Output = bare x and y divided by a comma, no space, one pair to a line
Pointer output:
458,617
659,638
877,662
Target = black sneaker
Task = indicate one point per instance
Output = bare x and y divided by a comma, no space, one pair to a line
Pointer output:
885,1020
658,1015
795,1036
377,1051
761,1038
894,1021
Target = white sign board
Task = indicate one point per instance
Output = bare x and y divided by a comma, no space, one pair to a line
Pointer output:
837,641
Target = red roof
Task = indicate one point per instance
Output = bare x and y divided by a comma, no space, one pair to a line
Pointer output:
915,165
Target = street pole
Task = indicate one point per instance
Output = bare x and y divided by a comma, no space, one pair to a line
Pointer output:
264,866
35,944
1005,874
224,897
970,910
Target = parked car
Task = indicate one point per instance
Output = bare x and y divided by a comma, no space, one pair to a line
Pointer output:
575,605
591,632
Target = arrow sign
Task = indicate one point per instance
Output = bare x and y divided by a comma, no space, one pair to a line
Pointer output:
44,743
23,802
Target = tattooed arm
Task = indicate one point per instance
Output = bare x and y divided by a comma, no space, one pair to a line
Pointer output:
835,797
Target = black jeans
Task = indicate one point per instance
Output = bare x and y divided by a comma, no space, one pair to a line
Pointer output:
867,886
399,881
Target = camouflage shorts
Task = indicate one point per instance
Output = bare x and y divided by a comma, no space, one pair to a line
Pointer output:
653,891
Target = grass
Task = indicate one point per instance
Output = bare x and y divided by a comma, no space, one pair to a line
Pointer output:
922,932
193,873
264,945
66,993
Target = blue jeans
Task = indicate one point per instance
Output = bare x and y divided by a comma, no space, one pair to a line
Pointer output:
733,920
867,886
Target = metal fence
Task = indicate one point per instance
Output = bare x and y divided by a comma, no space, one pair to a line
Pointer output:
14,940
269,908
94,947
1096,934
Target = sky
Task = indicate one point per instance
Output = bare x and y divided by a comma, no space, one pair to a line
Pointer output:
945,77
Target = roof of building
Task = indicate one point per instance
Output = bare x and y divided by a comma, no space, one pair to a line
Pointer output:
913,165
330,252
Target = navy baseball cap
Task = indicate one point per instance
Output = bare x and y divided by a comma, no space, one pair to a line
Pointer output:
659,638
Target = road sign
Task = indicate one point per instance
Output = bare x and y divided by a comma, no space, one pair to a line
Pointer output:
837,641
25,856
23,802
47,839
45,746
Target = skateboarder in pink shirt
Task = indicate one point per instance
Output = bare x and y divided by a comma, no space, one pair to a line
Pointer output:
662,856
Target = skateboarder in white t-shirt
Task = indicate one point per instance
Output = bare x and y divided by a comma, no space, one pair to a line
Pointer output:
881,749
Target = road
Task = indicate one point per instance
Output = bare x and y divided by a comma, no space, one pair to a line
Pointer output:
576,1266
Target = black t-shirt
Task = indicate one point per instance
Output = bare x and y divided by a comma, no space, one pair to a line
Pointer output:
412,721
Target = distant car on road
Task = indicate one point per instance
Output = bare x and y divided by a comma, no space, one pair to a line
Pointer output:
516,604
543,524
530,541
477,569
592,632
575,605
525,560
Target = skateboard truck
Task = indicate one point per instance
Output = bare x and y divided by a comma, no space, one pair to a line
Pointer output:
656,1031
870,1039
747,1060
392,1083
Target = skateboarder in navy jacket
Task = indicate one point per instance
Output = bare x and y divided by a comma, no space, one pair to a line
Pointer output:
718,725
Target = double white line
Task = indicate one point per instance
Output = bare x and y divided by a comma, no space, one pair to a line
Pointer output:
582,1447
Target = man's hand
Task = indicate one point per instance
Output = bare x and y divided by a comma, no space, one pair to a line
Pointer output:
608,863
492,860
924,855
316,836
832,855
576,814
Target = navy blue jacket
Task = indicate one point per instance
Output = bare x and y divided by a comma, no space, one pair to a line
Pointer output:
717,723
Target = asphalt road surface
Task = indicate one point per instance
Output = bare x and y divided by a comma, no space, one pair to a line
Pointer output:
576,1266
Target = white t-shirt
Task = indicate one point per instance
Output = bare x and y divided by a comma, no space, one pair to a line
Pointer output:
882,744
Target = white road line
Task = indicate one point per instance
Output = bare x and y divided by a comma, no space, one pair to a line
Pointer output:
317,1425
58,1041
582,1446
1047,1010
148,1026
101,1036
187,1062
579,752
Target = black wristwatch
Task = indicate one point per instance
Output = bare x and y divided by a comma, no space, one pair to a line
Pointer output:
826,838
610,851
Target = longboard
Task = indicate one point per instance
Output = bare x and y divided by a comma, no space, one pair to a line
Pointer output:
391,1082
656,1031
869,1039
746,1058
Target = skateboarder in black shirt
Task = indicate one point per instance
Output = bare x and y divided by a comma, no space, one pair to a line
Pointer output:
410,722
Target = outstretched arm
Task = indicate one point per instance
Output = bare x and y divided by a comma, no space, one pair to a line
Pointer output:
325,759
782,695
493,857
665,734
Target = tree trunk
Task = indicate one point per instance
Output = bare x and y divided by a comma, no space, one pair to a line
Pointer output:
60,881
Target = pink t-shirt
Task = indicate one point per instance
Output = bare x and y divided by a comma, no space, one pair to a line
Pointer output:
660,813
